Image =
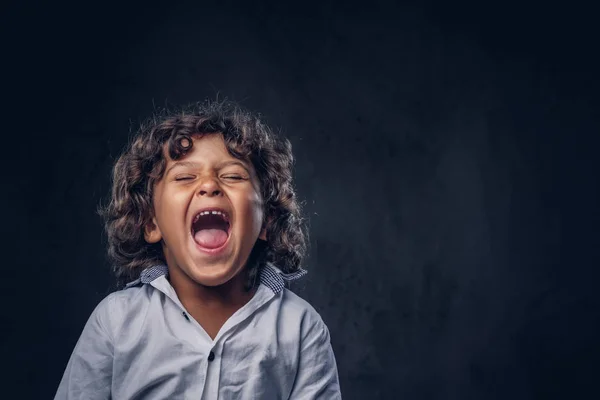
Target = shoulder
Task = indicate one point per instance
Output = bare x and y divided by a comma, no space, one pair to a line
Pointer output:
294,303
297,310
113,309
123,299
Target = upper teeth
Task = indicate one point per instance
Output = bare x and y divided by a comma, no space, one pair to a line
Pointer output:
209,212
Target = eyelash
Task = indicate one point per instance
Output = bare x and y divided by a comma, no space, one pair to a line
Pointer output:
234,177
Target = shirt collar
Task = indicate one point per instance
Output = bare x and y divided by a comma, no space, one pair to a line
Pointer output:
270,276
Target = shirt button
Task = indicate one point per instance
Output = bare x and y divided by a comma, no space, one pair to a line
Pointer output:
211,356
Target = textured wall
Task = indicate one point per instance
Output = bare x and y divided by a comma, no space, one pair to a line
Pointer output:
446,157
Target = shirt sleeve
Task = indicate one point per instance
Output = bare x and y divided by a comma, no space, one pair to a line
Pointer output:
88,374
317,376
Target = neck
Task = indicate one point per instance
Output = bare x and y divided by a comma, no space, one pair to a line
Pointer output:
231,294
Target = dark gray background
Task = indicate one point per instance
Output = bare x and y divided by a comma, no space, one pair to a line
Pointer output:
446,153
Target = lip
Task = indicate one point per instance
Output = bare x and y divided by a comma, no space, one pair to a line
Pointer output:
218,250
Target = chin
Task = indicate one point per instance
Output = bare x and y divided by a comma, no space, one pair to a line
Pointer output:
214,275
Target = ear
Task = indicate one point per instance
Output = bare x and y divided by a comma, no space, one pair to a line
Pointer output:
263,234
263,231
152,232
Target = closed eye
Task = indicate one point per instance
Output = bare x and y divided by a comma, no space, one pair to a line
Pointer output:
234,177
184,178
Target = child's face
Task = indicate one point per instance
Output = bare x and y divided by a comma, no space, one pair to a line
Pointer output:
210,250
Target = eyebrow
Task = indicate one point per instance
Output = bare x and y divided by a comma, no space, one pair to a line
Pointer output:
233,162
189,164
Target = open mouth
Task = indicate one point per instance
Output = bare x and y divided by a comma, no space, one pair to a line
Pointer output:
210,228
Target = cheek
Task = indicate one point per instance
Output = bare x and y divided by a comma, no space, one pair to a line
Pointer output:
169,210
254,210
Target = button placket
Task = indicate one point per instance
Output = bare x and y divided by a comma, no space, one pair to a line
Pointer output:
213,372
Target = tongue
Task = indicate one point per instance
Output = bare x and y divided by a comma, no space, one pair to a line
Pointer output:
211,238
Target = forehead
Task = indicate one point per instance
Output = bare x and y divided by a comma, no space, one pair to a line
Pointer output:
206,149
209,145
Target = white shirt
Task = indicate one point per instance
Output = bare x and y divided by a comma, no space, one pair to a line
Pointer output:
140,343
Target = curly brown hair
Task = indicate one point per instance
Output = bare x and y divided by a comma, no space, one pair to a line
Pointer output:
143,163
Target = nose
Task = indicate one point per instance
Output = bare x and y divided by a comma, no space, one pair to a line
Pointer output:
209,187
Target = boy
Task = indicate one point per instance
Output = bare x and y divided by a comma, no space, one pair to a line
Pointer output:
205,230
